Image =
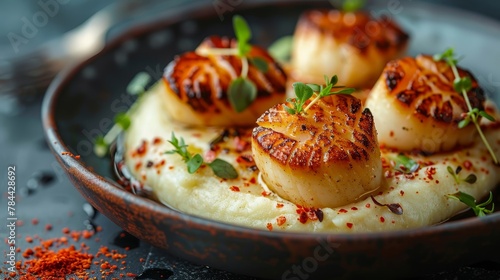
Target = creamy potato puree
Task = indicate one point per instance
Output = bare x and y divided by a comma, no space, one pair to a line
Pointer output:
422,195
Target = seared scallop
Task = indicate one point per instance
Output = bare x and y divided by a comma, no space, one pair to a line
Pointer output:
354,46
416,107
196,86
326,157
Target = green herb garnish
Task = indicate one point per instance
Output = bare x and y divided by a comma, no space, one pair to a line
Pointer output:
405,164
242,91
137,86
243,35
349,6
281,49
463,85
101,147
123,120
353,5
471,178
221,168
260,64
305,91
479,209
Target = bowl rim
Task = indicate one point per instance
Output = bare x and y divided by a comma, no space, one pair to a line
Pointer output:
112,188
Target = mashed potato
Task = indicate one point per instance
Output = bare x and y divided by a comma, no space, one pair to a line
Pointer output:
244,201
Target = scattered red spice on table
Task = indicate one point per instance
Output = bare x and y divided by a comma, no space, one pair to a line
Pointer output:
64,262
54,258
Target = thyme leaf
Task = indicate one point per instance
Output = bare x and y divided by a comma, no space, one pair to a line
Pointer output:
303,93
221,168
194,163
471,178
241,93
405,164
243,35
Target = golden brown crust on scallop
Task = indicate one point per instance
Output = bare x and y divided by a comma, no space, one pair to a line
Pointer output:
426,87
358,29
334,130
202,81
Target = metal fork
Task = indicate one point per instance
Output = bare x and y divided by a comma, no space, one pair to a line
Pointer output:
27,76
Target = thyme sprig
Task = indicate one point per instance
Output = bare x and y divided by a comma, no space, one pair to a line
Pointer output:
137,86
463,85
241,91
304,92
479,209
471,178
221,168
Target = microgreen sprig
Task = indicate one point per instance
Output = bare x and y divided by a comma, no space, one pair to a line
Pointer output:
221,168
304,92
463,85
471,178
404,164
137,86
479,209
241,91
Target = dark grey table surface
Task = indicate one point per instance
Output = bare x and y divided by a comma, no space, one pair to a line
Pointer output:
44,192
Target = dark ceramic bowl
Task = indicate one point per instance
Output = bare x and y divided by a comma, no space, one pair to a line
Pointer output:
82,101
